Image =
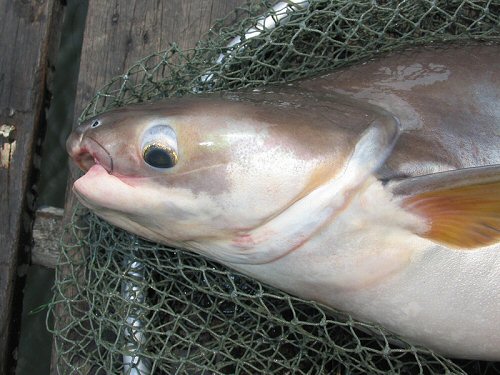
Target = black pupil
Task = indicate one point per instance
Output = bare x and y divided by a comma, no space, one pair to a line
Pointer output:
159,157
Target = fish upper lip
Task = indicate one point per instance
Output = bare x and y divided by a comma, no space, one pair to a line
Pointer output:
87,151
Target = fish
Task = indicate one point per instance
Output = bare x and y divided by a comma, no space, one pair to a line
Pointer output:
373,189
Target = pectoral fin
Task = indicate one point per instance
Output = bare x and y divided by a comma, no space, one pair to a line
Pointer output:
462,208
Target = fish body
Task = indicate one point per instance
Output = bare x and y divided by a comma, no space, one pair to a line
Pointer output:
375,189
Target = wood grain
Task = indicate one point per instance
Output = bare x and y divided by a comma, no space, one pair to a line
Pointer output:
28,37
47,232
120,32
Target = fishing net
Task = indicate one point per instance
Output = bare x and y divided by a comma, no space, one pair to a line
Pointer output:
125,305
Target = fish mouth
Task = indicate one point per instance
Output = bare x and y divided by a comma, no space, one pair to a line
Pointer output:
87,152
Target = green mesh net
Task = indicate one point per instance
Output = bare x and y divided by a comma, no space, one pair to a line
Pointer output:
125,305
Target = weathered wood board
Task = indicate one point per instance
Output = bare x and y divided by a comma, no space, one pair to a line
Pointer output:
120,32
47,232
29,34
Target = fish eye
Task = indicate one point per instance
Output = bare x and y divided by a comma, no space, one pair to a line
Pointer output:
159,147
95,124
159,156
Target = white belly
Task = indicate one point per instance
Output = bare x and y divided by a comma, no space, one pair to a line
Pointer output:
447,300
368,263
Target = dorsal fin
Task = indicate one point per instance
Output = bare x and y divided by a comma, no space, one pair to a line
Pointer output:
461,207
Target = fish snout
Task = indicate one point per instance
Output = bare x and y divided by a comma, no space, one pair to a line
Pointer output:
87,151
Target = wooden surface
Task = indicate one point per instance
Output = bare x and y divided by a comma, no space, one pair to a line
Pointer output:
47,232
28,37
120,32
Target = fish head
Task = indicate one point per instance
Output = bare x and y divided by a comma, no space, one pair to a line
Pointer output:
195,168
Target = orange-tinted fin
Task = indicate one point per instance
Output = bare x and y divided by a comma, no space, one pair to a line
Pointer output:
462,207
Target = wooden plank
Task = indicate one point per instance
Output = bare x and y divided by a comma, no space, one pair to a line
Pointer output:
47,232
28,37
120,32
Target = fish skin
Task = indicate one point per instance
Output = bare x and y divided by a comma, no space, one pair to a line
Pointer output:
253,164
415,87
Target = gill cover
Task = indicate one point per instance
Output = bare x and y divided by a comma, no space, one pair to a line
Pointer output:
287,231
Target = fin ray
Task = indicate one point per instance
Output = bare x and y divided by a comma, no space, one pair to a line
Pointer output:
462,208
